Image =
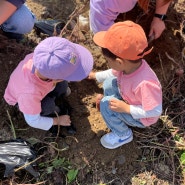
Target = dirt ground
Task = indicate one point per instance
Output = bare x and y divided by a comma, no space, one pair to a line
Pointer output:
152,157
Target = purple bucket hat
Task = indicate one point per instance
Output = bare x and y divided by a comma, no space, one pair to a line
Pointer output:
59,59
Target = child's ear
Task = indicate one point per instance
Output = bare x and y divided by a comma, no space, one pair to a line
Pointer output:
119,60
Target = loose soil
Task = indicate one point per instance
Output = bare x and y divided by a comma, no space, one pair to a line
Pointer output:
150,158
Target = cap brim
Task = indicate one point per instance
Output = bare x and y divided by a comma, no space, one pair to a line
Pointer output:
85,66
147,52
99,39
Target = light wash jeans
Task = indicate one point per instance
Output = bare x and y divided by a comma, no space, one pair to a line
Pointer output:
22,21
117,122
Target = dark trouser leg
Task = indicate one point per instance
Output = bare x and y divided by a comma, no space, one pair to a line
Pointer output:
49,107
48,103
59,90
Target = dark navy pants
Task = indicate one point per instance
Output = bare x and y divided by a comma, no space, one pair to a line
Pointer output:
48,103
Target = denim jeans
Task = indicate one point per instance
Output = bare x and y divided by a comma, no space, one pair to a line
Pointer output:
22,21
48,103
118,122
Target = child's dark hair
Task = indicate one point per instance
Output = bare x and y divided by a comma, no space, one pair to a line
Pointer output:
112,56
108,54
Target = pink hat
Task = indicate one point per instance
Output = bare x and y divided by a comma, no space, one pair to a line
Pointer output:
59,59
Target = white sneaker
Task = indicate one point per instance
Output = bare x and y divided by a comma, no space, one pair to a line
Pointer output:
112,141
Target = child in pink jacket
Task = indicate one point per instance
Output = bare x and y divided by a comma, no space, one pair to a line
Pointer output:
132,92
43,76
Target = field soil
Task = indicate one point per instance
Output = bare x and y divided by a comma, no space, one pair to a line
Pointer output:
152,157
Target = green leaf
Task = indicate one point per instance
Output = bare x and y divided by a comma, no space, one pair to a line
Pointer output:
41,165
49,169
182,158
33,140
58,162
71,175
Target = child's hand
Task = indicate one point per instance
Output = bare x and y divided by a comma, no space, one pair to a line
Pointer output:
63,120
92,75
119,106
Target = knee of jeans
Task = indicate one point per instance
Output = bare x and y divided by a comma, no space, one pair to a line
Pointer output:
27,26
22,21
104,104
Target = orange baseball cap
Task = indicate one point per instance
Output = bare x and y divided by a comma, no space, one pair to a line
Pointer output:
126,40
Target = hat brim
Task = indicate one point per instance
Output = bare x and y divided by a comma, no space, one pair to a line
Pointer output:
99,39
85,64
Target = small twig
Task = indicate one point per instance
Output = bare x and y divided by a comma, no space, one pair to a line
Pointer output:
171,154
182,112
27,164
156,146
183,56
172,59
12,126
162,67
58,131
57,149
73,138
74,14
75,29
176,113
38,183
43,182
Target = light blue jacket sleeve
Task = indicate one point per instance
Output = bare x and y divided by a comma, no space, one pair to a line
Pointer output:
138,112
102,75
37,121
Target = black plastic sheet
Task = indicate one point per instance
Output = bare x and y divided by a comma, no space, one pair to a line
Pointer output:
16,153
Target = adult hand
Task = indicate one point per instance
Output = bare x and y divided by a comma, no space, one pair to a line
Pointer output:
156,28
119,106
63,120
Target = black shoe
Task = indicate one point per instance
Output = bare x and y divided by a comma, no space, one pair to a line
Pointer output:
66,109
71,129
49,27
54,131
